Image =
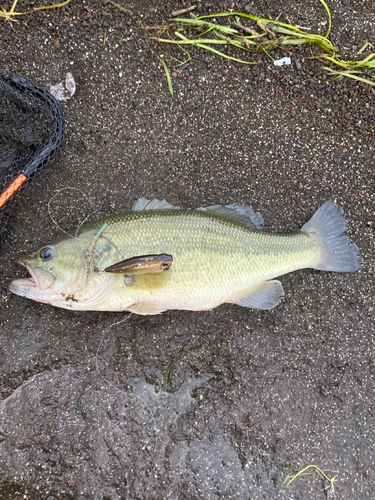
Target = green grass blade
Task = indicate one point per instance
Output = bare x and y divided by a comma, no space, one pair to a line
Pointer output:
250,38
221,54
350,74
295,41
302,34
291,30
204,33
205,24
338,62
286,35
329,17
181,63
289,479
277,26
256,19
239,44
364,47
167,74
120,7
303,40
286,31
317,38
180,35
352,71
245,41
188,41
368,62
9,14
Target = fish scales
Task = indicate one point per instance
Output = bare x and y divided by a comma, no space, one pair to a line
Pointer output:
218,253
214,259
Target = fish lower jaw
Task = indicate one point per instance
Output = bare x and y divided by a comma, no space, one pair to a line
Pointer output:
26,287
22,286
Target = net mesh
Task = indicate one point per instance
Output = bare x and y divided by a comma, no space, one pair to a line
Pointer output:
32,128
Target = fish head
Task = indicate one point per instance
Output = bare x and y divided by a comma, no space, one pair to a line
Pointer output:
55,271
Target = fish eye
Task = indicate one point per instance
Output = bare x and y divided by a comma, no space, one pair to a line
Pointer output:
46,253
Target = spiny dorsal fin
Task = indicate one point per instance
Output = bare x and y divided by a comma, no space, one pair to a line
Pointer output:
239,213
144,204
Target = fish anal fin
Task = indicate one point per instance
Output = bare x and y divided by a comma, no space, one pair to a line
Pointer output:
264,296
147,308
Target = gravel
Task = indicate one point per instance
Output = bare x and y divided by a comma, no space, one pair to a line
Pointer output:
251,395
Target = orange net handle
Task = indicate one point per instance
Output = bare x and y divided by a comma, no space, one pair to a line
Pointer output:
13,189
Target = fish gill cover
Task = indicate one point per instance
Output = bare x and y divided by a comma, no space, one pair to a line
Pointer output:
32,128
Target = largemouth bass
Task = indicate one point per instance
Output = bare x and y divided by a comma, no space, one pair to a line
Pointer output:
158,257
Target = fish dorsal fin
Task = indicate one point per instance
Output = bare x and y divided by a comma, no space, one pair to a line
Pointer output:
239,213
144,204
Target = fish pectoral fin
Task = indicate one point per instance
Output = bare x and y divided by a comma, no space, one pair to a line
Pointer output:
147,308
264,296
143,264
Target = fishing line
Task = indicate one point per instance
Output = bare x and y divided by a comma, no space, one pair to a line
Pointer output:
56,223
96,237
86,218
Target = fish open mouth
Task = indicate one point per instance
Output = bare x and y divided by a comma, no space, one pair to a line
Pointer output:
32,276
40,278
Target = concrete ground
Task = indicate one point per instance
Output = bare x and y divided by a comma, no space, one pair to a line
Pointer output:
248,396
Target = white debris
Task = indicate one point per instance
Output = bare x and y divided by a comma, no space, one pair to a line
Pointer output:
70,84
285,61
62,92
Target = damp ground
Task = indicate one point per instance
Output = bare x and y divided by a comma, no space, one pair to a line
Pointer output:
193,405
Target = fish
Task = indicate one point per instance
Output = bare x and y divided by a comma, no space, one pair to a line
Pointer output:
158,257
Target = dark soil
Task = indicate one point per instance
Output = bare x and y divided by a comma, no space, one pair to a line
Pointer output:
249,396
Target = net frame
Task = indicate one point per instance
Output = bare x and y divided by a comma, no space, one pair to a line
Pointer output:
32,129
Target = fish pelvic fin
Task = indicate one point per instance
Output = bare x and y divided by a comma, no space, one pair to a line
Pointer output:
266,295
337,251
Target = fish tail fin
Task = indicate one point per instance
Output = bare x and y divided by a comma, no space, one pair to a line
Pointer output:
338,252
